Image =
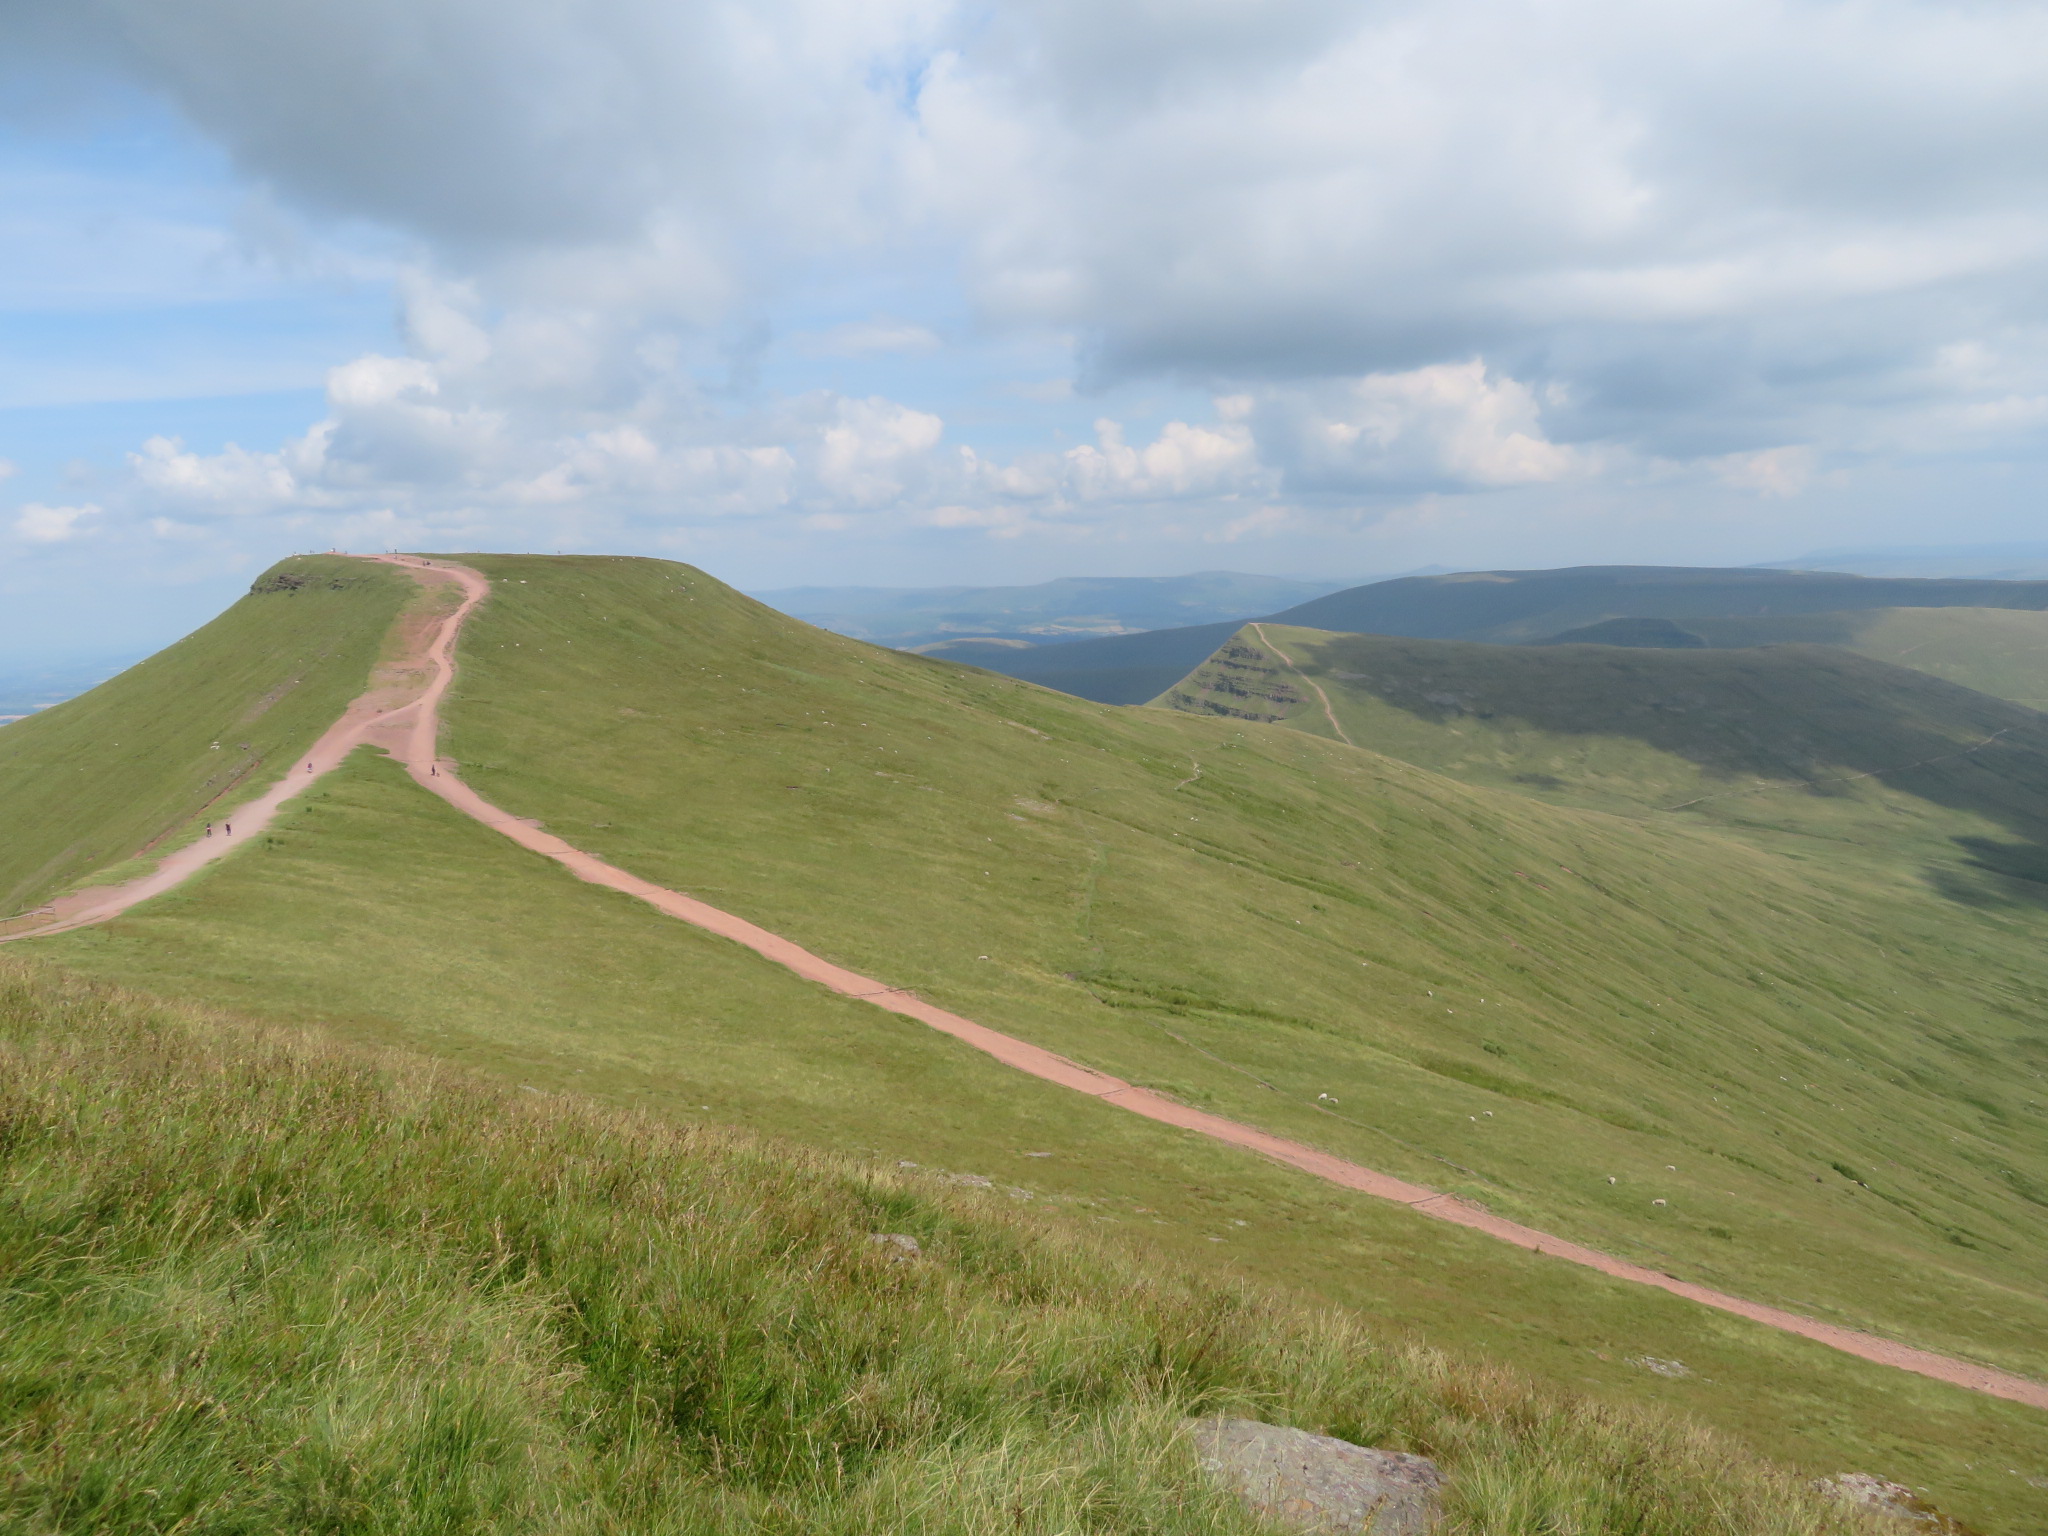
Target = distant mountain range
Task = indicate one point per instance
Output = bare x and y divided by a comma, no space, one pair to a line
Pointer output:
1504,607
1050,613
2001,562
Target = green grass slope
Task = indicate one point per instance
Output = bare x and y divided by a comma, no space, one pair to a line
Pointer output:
138,761
384,917
1516,1000
1298,909
1999,651
1513,607
259,1284
1852,758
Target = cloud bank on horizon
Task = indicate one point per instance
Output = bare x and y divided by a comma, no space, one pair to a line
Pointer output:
828,288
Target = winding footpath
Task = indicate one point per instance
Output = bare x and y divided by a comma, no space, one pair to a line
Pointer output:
1287,661
401,713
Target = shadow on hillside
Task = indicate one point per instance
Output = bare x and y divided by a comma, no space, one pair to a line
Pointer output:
1995,875
1802,715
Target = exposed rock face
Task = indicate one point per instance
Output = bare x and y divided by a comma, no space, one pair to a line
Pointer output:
1317,1484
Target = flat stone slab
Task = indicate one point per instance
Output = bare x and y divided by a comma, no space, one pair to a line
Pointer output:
1317,1484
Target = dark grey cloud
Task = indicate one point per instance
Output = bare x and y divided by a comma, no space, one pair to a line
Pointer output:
475,124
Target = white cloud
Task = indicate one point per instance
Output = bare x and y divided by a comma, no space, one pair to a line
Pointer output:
874,450
1182,461
1768,472
40,524
1450,426
234,481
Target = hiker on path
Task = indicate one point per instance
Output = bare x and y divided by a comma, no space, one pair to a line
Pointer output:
209,829
228,827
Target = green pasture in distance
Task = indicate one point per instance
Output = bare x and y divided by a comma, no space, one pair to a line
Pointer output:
1999,651
134,766
381,916
1522,608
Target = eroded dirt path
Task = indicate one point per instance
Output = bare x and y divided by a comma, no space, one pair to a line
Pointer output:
404,718
413,670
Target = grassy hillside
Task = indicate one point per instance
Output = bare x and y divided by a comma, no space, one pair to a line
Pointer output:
1944,786
1125,871
1512,999
1999,651
1528,605
1514,607
134,764
258,1284
380,914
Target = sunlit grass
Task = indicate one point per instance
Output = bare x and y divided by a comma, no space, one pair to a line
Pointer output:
257,1283
138,763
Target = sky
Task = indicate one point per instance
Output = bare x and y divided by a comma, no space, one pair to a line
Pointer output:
905,292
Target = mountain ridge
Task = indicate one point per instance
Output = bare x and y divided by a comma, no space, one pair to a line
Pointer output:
1507,607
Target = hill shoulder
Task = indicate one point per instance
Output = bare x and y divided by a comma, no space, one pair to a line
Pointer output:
137,763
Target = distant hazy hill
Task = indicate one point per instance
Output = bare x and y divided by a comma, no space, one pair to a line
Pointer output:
1504,606
1048,613
2001,562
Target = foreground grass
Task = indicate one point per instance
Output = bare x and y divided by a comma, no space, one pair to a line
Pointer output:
259,1284
135,764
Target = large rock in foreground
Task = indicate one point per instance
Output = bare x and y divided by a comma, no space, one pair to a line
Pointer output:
1318,1484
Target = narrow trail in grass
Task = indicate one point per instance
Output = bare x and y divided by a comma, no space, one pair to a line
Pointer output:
404,718
1287,661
